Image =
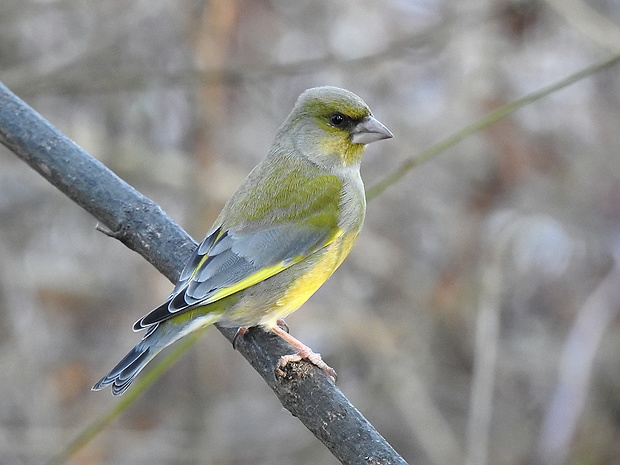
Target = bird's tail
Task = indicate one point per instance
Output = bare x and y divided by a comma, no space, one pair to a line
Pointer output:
157,338
128,368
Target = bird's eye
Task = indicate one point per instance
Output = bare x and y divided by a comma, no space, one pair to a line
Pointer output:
337,120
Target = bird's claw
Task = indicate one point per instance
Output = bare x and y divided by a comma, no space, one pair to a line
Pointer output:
282,324
312,357
303,353
240,332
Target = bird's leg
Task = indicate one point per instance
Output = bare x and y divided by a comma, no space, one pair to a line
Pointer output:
303,353
240,332
244,329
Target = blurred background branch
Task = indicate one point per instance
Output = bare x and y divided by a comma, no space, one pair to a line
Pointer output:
577,362
486,121
596,27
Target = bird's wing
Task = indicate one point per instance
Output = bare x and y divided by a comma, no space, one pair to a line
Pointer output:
226,262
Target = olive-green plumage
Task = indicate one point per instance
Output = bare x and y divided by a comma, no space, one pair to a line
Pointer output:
281,235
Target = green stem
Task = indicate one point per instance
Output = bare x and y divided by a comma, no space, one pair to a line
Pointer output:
484,122
139,386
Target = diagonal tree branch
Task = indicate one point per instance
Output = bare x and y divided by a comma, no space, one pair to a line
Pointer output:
143,227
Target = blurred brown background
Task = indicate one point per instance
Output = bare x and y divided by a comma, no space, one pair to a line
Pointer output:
475,321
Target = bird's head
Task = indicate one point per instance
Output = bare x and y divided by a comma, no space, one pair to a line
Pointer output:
331,126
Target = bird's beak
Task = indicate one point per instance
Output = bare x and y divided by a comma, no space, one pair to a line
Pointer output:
369,130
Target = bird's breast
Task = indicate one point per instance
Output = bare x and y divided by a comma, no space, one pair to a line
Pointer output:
313,277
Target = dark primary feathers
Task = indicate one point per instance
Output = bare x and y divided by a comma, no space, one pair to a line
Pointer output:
126,370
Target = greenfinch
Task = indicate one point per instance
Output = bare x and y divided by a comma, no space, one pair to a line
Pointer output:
285,230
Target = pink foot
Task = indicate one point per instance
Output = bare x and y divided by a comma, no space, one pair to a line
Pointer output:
303,353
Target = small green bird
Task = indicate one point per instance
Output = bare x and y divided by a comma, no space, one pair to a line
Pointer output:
285,230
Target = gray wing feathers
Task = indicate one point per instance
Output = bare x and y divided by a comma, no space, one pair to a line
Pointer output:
234,258
231,258
220,271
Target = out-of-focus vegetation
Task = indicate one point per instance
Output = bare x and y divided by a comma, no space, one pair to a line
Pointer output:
474,322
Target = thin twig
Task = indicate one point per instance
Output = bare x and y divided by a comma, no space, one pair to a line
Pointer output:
484,122
95,427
